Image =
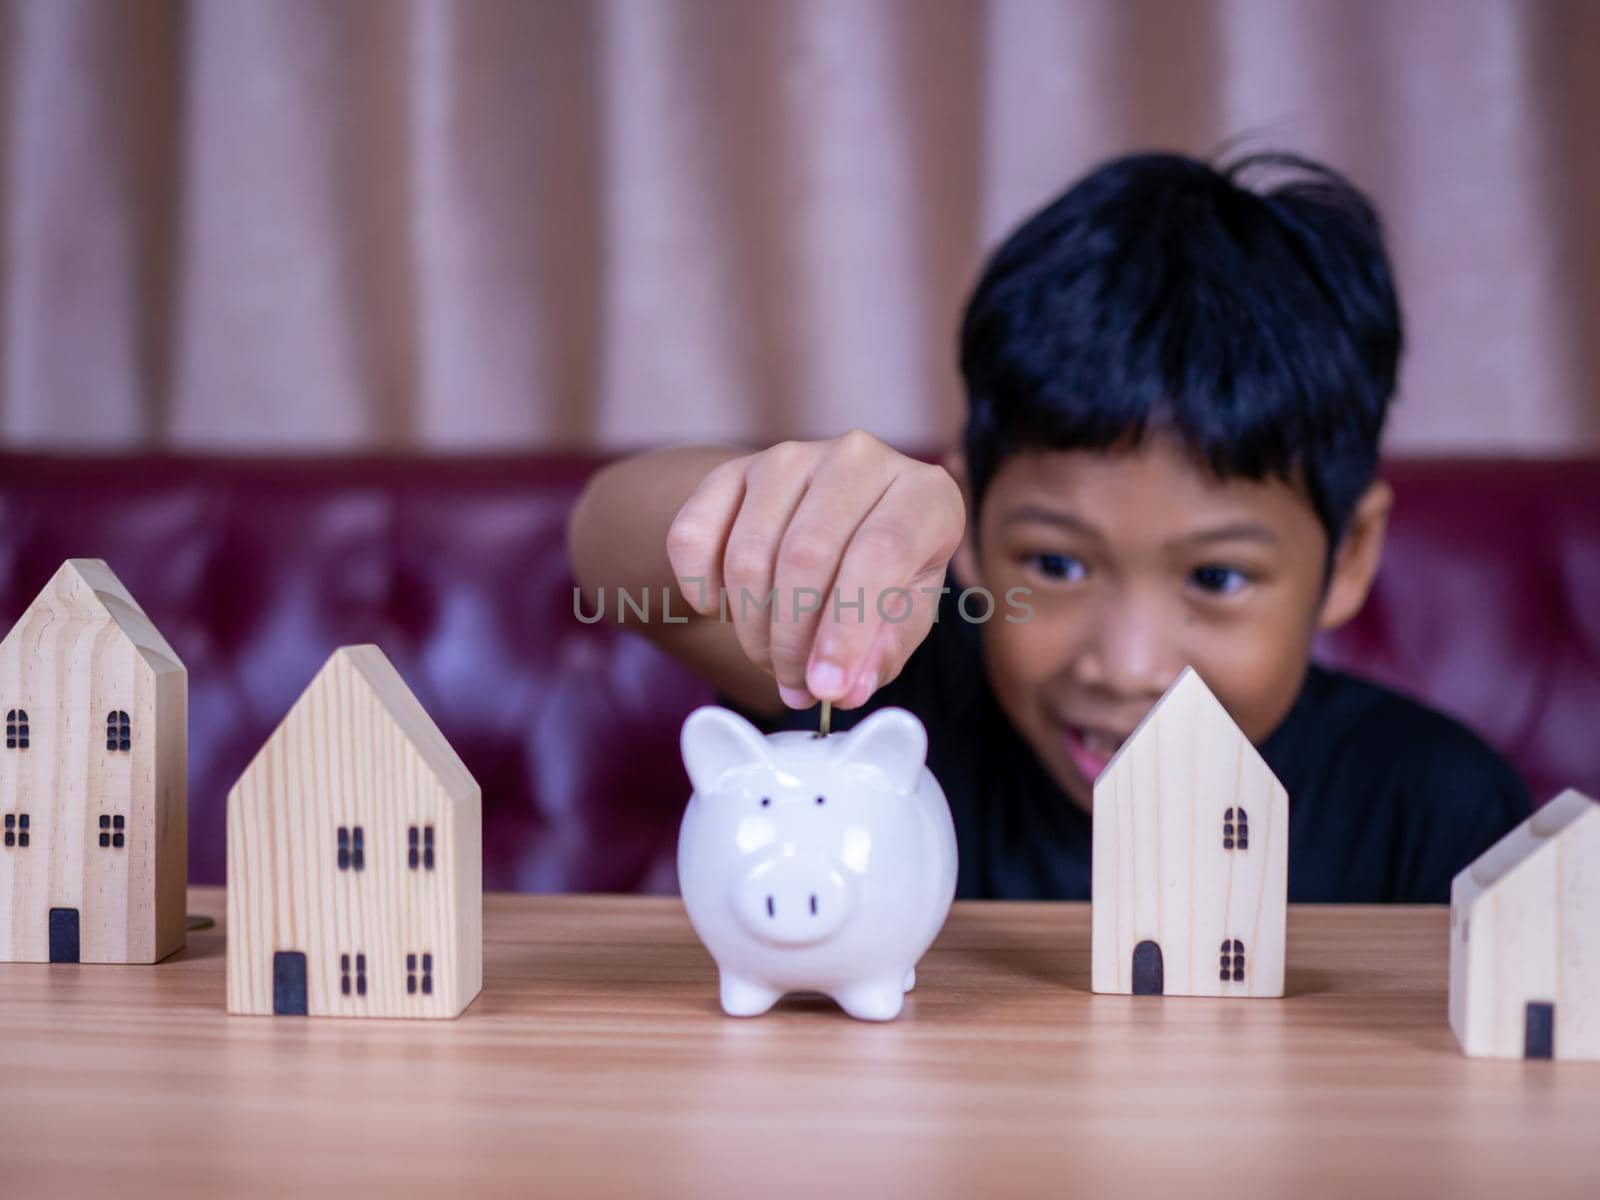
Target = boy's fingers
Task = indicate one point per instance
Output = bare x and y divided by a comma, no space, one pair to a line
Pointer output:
699,533
804,588
894,643
775,487
903,545
849,482
786,533
897,642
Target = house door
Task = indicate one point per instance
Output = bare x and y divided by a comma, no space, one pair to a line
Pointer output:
1147,974
63,935
289,984
1539,1030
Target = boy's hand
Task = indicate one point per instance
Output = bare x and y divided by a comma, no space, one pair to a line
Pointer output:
819,525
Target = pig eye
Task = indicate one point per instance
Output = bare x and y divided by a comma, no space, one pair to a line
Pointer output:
821,800
766,802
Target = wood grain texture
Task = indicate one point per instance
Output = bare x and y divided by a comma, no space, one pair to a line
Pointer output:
1162,871
597,1062
1525,929
82,651
356,754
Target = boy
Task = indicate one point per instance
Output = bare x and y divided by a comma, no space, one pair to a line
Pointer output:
1176,388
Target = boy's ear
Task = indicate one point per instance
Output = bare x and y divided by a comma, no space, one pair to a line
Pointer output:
1355,563
965,560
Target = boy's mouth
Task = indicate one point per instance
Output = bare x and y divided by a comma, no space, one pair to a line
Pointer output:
1090,749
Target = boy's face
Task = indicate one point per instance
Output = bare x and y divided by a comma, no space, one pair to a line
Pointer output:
1139,563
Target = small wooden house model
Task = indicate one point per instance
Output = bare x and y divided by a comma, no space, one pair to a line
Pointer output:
1525,939
93,775
1190,857
355,857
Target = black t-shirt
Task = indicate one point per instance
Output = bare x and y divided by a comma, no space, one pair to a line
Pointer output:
1388,799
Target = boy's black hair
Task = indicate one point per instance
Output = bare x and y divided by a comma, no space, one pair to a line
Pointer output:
1157,292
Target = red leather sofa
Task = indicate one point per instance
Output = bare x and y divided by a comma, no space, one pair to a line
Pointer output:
1488,606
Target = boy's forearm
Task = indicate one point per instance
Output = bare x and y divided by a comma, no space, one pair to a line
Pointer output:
617,534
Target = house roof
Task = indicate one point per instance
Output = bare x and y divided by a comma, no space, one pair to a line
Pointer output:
1532,841
369,667
89,584
1188,700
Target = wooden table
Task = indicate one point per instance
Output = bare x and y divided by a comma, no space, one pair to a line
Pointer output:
597,1062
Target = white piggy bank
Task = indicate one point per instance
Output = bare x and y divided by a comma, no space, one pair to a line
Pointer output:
815,864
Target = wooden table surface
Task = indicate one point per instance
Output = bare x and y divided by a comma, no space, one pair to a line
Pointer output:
596,1061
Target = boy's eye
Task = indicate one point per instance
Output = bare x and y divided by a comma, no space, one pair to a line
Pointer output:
1059,566
1219,580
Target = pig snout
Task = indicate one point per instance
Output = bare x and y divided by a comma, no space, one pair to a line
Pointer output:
793,901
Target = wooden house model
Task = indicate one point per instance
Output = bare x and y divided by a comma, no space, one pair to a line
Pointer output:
1525,939
93,775
355,857
1190,857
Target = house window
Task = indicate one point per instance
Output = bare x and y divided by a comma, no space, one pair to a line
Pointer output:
411,974
422,856
1232,961
352,848
119,732
16,830
360,974
17,729
1235,829
112,830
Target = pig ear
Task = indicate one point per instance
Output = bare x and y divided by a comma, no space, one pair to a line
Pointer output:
891,740
716,741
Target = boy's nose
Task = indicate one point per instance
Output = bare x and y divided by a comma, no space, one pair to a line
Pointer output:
1129,653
